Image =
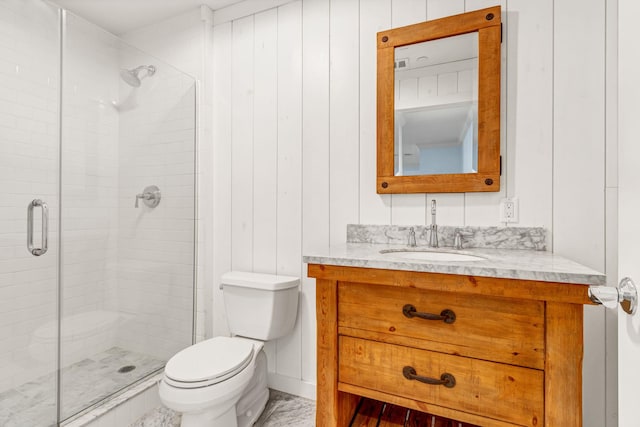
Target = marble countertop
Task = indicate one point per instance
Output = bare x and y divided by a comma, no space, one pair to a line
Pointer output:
499,263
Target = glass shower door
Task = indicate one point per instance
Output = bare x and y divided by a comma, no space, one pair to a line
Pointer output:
96,292
29,177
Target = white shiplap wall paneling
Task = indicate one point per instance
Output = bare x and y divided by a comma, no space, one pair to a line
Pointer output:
579,175
529,110
471,5
408,209
265,141
289,177
222,37
242,161
374,208
441,8
337,99
265,148
315,161
344,117
579,132
244,8
407,12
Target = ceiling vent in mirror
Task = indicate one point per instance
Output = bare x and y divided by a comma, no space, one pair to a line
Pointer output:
402,63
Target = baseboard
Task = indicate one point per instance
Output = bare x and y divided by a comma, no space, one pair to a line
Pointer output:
291,385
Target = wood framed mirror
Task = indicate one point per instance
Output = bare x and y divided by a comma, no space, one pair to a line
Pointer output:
438,124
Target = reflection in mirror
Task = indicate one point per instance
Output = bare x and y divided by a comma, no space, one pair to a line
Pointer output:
436,107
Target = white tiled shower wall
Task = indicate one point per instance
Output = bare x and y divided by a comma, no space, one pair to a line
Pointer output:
135,262
156,245
89,170
29,84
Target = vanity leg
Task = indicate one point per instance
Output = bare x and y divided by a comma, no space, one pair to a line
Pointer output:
333,408
563,370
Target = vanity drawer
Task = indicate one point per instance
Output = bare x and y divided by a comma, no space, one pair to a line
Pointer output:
504,392
490,328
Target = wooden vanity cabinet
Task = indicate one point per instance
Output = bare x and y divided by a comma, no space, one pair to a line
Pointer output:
514,348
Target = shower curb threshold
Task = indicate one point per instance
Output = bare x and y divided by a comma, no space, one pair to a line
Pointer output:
113,402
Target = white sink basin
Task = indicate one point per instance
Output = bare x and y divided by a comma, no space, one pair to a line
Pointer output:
424,255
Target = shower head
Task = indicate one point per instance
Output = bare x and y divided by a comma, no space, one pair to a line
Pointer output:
132,78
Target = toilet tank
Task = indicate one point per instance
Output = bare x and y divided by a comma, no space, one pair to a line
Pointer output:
260,306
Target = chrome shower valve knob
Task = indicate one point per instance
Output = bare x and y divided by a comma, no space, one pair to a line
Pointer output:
150,196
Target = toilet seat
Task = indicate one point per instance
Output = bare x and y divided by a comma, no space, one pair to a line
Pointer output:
209,362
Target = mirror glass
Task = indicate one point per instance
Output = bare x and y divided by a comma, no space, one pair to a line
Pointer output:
436,106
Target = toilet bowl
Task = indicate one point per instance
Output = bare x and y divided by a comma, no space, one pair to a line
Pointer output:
205,382
222,381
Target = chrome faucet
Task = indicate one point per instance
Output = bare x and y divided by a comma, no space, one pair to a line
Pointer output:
433,229
412,238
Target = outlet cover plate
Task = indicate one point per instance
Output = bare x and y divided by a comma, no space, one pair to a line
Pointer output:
509,210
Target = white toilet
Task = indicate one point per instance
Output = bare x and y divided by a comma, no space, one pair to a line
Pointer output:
222,381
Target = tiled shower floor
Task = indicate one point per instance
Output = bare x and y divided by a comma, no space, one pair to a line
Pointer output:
83,384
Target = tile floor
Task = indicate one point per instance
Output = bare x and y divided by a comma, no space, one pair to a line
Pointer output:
282,410
84,383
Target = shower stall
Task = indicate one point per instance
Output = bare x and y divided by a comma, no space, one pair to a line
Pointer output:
97,214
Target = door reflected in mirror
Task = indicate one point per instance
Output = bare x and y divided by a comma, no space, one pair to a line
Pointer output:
436,107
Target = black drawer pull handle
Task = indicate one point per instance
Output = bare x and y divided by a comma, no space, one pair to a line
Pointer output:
446,380
446,315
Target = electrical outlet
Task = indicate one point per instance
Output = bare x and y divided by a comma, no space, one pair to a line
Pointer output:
509,210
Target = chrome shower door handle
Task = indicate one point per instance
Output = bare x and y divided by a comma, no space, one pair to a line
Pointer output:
45,227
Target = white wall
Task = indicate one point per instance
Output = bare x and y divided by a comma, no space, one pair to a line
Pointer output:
300,80
293,156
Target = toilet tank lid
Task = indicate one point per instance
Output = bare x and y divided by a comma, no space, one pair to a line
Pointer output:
267,282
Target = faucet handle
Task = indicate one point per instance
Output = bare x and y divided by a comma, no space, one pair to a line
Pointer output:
457,240
412,237
459,236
